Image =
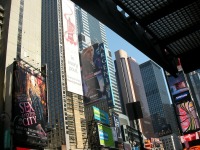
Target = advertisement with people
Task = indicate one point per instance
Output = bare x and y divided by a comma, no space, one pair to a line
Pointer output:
117,126
105,136
95,75
29,109
187,116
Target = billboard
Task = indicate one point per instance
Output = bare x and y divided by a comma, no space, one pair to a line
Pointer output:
105,136
117,126
187,116
190,137
95,75
101,115
73,74
29,108
177,85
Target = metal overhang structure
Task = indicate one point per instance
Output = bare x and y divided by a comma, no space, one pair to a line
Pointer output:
164,30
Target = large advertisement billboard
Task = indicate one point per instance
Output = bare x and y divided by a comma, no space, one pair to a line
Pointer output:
29,109
95,75
105,136
177,86
187,116
101,115
117,126
74,83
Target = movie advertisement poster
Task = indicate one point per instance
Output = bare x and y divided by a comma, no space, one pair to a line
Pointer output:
72,63
187,116
29,109
95,75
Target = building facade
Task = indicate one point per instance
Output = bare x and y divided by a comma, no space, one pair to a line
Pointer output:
91,31
20,38
60,53
171,142
132,88
157,96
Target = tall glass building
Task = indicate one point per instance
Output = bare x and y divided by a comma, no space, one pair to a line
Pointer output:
157,96
91,31
66,111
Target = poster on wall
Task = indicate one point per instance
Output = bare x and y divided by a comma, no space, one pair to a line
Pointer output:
187,116
95,75
72,63
29,107
105,136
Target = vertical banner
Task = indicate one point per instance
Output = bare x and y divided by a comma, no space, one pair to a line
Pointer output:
95,75
29,107
73,73
117,126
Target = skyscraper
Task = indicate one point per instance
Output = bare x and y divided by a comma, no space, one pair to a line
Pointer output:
20,38
157,96
132,88
60,53
91,31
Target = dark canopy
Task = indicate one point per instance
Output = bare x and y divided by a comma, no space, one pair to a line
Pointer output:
164,30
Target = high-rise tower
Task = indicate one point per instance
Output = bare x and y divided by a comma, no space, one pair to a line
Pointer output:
60,53
132,88
91,31
20,38
157,96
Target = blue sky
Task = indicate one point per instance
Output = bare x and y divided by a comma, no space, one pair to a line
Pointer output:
116,42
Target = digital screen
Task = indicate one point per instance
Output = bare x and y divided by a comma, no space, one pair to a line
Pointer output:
95,75
29,106
105,136
187,116
177,85
101,115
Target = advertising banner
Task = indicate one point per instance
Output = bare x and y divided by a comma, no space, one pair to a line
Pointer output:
73,73
190,137
101,115
95,75
117,126
178,86
187,116
105,136
29,107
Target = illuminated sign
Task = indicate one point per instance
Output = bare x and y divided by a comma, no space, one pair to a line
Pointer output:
29,107
100,115
187,116
72,63
95,75
105,136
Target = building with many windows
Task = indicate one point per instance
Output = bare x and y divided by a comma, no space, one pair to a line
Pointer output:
20,38
60,53
91,31
157,97
132,88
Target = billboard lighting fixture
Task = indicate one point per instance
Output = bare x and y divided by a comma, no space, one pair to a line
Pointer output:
31,66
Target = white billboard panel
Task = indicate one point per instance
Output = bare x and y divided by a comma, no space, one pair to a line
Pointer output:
74,82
